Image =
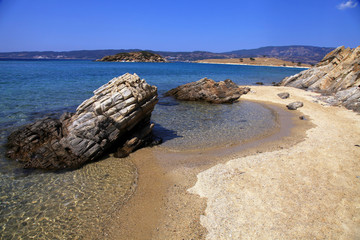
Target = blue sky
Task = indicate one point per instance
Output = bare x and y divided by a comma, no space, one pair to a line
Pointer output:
218,26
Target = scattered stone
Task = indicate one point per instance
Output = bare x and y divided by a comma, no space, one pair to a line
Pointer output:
284,95
302,118
117,116
294,105
337,77
259,83
209,91
357,145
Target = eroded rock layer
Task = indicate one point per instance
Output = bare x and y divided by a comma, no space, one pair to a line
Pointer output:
337,75
118,115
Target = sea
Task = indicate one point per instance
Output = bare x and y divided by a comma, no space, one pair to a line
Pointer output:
36,204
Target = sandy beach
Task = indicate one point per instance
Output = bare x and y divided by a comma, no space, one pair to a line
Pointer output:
310,190
258,61
299,182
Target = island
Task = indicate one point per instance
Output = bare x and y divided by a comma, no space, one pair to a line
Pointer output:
141,56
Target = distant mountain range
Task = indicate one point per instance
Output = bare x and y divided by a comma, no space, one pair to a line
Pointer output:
303,54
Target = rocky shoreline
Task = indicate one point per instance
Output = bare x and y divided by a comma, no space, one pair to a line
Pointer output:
336,77
116,119
303,184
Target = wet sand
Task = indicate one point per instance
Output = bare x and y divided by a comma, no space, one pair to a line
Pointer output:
162,208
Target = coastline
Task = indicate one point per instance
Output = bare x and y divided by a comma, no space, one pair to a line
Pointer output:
308,190
100,199
161,207
243,64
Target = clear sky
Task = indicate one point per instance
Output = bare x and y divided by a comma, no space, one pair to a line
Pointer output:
172,25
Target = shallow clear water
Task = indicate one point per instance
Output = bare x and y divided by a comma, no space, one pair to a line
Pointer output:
66,205
191,125
63,205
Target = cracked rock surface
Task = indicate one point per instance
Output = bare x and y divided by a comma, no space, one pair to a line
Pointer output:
118,115
337,77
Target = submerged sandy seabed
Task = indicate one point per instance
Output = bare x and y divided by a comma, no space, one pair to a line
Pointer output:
308,191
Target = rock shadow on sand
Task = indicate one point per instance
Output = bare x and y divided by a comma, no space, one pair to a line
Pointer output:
164,133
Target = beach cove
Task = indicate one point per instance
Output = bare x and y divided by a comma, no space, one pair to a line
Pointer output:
201,120
162,207
67,204
301,182
309,190
292,178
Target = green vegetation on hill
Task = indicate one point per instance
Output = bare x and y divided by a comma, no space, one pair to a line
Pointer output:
140,56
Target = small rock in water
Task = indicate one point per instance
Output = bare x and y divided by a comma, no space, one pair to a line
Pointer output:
208,90
284,95
294,105
259,83
302,118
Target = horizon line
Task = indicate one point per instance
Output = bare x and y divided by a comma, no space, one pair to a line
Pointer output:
139,49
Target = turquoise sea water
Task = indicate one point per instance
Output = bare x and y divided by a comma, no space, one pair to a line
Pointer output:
43,205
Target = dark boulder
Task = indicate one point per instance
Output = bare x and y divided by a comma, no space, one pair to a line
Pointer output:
209,91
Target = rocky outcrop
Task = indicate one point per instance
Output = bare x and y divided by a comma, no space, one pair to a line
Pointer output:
209,91
337,76
117,116
142,56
